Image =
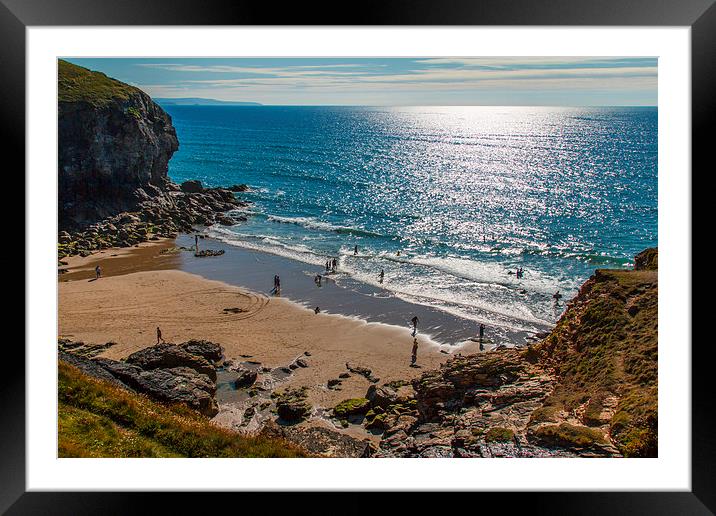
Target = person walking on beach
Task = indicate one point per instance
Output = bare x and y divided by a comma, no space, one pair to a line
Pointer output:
335,264
415,320
97,272
414,357
382,275
355,250
328,265
482,333
159,336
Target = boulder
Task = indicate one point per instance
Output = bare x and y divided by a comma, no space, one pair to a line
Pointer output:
351,407
172,385
292,406
192,186
203,348
166,356
381,396
245,377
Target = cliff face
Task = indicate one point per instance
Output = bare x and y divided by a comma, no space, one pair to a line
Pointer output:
114,146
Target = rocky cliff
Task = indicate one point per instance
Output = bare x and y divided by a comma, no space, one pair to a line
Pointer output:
114,146
587,389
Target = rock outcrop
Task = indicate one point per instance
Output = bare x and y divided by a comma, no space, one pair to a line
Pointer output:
588,389
114,147
167,372
114,142
473,406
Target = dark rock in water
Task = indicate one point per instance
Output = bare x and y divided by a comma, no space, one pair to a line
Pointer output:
168,356
225,220
192,186
209,252
203,348
245,377
238,188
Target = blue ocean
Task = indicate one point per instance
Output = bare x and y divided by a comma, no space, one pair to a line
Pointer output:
448,201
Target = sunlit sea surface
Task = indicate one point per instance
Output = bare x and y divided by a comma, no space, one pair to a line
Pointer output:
465,194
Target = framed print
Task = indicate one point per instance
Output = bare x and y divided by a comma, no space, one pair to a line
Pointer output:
420,249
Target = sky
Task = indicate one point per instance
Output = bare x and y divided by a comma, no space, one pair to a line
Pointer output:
447,81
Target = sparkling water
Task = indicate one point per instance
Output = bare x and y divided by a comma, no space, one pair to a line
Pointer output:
447,201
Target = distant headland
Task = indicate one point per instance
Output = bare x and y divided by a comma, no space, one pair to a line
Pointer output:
196,101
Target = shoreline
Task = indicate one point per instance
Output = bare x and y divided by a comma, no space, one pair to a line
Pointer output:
141,289
339,293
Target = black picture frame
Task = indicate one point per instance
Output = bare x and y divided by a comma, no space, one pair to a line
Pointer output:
700,15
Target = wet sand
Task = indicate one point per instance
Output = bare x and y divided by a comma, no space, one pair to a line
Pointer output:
141,289
338,293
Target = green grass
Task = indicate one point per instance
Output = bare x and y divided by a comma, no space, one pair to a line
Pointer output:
98,419
566,434
606,345
78,84
499,434
350,407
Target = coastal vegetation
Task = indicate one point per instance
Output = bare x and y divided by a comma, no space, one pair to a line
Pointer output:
99,419
78,84
604,352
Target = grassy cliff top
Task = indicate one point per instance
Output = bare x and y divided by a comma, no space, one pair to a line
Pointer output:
98,419
604,350
78,84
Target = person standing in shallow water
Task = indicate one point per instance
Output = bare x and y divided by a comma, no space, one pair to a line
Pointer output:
382,275
415,321
355,250
276,285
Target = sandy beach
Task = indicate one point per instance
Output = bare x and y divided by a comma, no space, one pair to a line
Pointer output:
141,290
